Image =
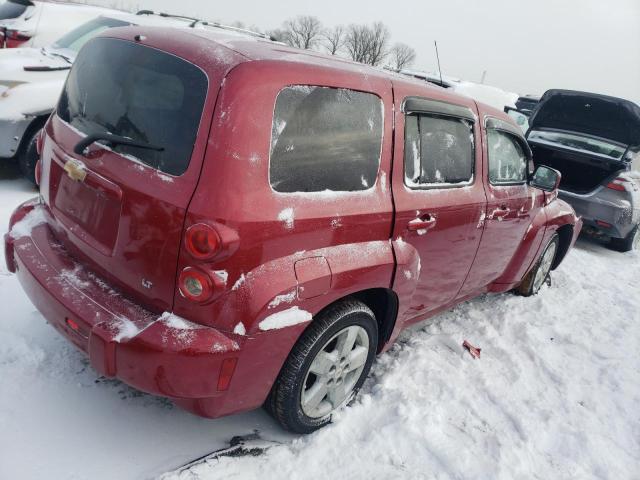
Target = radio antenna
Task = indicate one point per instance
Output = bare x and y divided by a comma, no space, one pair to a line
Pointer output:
438,57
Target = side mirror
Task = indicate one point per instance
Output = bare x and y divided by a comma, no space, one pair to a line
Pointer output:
546,178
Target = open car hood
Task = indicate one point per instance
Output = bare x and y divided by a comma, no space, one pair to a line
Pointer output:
588,113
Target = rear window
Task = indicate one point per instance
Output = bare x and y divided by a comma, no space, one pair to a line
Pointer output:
325,139
137,92
439,151
10,10
75,39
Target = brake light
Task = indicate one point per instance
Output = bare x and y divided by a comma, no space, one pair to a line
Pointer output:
600,223
17,36
40,142
195,285
38,173
618,184
226,372
202,241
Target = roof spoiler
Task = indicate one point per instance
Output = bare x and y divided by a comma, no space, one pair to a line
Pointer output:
196,21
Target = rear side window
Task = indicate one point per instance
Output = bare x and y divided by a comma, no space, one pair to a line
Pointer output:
10,10
138,92
507,160
325,139
439,151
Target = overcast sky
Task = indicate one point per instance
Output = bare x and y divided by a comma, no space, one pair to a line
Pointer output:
526,46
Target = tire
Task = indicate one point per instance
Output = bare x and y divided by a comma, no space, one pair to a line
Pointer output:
29,157
628,243
539,273
292,401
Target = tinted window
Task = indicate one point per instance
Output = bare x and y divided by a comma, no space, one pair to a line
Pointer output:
325,139
75,39
507,160
137,92
439,151
11,10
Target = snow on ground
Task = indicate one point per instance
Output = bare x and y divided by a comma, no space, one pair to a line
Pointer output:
554,395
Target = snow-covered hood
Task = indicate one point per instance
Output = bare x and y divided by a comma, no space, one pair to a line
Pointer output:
30,92
588,113
39,67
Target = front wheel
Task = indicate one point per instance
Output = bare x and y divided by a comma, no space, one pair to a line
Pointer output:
628,243
534,280
326,367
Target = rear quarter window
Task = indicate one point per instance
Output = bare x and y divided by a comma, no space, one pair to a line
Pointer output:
325,139
138,92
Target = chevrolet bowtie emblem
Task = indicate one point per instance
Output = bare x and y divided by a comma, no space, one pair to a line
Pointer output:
76,170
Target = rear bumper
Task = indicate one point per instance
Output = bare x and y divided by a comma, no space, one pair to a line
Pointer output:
125,341
11,134
618,215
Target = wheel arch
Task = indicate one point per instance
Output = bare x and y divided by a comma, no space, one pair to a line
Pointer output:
565,236
37,122
383,302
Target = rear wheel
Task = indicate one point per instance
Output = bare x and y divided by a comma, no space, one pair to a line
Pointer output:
534,280
629,243
326,367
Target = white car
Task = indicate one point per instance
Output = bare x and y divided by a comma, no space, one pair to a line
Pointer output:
31,80
27,23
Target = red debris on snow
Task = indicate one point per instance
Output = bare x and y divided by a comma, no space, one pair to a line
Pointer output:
474,351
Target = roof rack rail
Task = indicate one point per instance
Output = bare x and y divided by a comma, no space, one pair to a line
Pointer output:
193,20
233,29
196,21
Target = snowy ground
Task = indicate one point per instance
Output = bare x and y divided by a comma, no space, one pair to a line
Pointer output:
555,395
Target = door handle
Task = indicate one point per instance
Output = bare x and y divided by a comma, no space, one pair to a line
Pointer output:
422,223
500,212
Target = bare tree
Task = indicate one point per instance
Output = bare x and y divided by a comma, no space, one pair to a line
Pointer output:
278,35
334,39
302,32
368,44
402,56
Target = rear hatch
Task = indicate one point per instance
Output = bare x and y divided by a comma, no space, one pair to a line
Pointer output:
120,209
585,136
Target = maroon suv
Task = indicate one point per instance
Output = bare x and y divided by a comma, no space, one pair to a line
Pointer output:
229,222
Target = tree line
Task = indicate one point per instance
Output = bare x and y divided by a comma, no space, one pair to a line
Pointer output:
368,44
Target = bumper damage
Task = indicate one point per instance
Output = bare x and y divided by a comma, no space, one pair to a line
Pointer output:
159,354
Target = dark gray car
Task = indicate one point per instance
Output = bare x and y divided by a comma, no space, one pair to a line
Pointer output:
594,141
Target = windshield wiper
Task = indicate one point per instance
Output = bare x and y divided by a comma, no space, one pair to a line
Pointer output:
53,54
83,144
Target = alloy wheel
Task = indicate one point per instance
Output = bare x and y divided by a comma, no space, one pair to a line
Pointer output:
334,372
545,266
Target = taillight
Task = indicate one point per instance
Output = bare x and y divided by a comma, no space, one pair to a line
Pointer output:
226,372
603,224
618,184
202,241
38,173
16,35
195,284
39,142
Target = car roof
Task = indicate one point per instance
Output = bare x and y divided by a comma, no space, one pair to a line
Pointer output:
248,48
